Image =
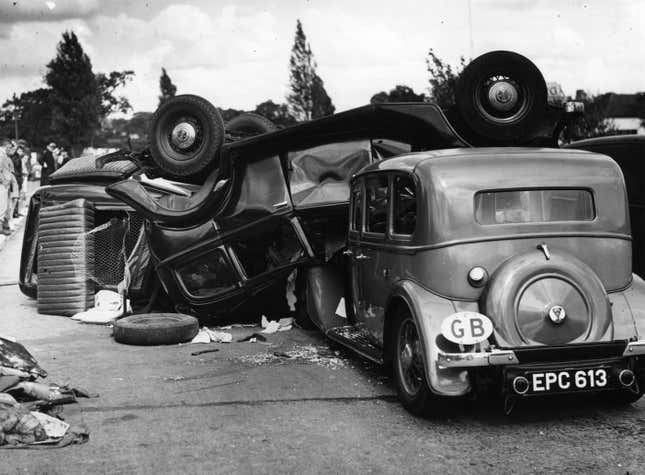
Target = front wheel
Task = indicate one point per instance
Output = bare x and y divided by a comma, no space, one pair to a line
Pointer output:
409,368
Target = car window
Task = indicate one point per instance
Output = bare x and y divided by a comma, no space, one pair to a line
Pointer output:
376,200
534,206
270,246
208,275
404,212
357,208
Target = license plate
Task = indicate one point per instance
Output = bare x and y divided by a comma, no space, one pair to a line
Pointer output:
587,379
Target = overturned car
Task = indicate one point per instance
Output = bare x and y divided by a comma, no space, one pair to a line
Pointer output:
453,244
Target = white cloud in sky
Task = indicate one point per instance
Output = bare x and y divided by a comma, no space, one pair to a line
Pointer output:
236,53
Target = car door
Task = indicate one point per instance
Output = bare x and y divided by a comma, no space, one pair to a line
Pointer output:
371,257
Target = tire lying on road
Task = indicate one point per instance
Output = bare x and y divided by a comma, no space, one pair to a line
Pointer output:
186,137
155,329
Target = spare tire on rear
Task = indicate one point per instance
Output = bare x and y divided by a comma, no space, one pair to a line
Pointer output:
155,329
501,96
186,137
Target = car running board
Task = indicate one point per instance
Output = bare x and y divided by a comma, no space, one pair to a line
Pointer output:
356,339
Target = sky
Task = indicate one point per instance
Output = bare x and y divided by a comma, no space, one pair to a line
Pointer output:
236,53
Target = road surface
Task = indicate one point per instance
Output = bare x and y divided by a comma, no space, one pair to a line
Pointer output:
244,410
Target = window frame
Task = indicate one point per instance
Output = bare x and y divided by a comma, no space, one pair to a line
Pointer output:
358,184
590,191
239,278
400,236
370,235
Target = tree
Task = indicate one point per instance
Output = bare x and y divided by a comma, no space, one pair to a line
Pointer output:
74,94
321,102
168,89
400,93
80,100
107,84
443,79
33,111
308,98
276,113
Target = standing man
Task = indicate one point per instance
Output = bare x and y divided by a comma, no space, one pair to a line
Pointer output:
6,177
48,162
23,157
15,154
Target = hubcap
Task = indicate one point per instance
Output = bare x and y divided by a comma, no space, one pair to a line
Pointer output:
410,358
503,96
183,135
552,310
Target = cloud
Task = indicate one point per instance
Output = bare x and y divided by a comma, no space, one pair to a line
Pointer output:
46,11
28,47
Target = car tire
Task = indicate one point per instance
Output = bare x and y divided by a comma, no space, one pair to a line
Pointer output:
249,124
410,376
155,329
186,138
504,120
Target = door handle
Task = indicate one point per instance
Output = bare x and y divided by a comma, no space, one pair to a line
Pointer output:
362,257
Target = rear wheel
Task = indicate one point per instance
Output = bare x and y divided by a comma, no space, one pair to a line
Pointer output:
408,365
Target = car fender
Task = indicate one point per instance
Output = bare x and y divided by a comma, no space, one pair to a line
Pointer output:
428,311
628,308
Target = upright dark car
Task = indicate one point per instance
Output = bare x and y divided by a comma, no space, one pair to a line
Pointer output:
629,152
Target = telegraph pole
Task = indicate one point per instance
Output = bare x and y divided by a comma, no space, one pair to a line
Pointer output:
15,116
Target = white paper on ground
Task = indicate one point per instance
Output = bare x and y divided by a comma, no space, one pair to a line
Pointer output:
219,337
201,337
108,305
271,327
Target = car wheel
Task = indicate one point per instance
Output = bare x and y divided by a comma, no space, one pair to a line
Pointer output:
248,125
155,329
501,95
187,136
409,367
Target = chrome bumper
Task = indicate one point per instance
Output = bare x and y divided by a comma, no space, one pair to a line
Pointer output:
508,357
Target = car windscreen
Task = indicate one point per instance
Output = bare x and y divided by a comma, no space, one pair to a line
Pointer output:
534,206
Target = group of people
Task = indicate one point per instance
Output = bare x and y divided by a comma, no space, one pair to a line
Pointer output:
15,170
52,158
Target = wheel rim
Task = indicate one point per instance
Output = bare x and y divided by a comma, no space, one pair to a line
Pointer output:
410,358
501,99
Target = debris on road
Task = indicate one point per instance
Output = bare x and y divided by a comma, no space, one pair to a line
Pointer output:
253,338
201,352
306,354
14,356
284,324
28,408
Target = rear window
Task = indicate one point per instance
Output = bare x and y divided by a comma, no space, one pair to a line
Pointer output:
534,206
